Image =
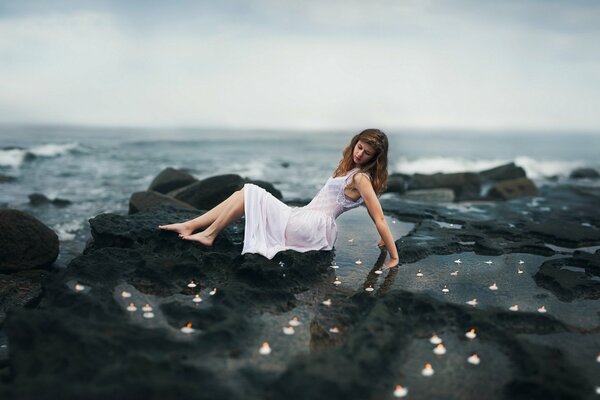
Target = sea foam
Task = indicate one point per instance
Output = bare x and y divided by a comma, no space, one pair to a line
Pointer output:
14,158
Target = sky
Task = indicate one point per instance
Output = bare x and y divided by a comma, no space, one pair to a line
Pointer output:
305,64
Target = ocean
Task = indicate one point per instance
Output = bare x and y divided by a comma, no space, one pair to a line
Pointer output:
97,169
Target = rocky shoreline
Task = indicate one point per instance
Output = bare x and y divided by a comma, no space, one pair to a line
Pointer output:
68,333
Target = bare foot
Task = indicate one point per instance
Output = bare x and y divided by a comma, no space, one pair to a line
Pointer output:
200,237
181,228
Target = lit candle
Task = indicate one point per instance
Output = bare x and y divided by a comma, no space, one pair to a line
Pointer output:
494,286
358,262
458,261
79,287
471,334
445,289
474,359
472,302
265,349
192,284
337,281
393,221
334,265
597,389
542,309
400,391
419,273
334,329
197,299
489,262
351,240
131,307
188,328
125,294
327,302
435,339
148,315
519,271
428,370
147,308
378,272
514,307
281,264
294,321
213,292
598,358
455,273
370,288
288,330
440,350
521,262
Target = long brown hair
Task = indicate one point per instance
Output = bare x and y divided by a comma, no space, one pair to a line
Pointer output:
377,167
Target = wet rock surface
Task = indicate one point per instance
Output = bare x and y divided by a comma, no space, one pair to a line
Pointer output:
351,343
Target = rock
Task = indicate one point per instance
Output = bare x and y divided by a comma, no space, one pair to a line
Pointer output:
38,199
397,183
589,173
170,179
6,178
430,196
510,189
20,290
25,242
209,192
502,173
268,187
466,185
140,201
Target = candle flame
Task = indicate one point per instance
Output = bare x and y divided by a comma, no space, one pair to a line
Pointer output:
189,325
265,345
440,346
472,331
399,387
428,366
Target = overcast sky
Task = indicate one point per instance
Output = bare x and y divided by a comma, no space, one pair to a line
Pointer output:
316,64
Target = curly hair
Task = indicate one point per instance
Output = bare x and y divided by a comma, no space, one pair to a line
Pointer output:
377,167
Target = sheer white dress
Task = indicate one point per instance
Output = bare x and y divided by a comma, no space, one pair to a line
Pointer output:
272,226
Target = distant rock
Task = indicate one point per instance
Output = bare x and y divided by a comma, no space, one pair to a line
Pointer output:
510,189
38,199
430,195
20,289
466,185
6,178
170,179
141,201
25,242
589,173
502,173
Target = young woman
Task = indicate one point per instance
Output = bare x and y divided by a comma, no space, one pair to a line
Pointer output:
272,226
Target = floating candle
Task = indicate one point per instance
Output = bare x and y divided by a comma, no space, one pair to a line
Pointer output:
445,289
281,264
337,281
514,307
435,339
439,350
294,321
192,284
350,240
427,371
131,307
370,288
334,265
455,273
519,271
521,262
493,286
197,299
188,328
471,334
419,273
542,309
400,391
265,349
488,262
378,272
358,262
472,302
288,330
334,329
327,302
597,389
125,294
148,315
147,308
213,292
474,359
394,221
598,358
457,261
79,287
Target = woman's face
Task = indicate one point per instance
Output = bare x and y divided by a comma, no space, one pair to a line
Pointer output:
362,153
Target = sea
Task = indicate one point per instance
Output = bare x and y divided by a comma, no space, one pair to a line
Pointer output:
97,169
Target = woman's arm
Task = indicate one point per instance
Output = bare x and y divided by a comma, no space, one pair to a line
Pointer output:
365,188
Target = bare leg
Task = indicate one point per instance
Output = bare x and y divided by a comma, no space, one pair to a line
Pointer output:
233,209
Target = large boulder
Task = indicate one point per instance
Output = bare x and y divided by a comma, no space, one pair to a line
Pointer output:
25,242
141,201
397,183
502,173
580,173
170,179
466,185
38,199
513,188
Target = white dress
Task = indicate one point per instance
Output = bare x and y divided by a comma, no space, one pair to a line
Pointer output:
272,226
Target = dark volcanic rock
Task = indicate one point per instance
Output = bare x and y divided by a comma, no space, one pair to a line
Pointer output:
397,183
585,173
38,199
170,179
466,185
20,289
25,243
6,178
513,188
502,173
140,201
573,278
209,192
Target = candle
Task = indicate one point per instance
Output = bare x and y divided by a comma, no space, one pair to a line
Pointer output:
598,358
428,370
472,302
334,329
188,328
440,350
445,289
147,308
435,339
294,321
419,273
474,359
265,349
458,261
493,286
79,287
289,330
281,264
489,262
148,315
400,391
455,273
542,309
370,288
337,281
358,262
334,265
521,262
213,292
519,271
393,221
597,389
131,307
197,299
471,334
192,284
351,240
378,272
327,302
514,307
125,294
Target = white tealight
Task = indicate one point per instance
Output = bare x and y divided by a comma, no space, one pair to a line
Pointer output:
294,322
514,307
213,292
598,358
400,391
334,330
445,289
188,328
288,330
334,265
79,287
192,284
131,307
378,272
419,273
147,308
458,261
471,334
394,221
488,262
197,299
521,262
474,359
472,302
370,288
265,349
337,281
542,309
455,273
125,294
358,262
440,350
148,315
350,240
493,286
519,271
427,371
327,302
597,389
435,339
